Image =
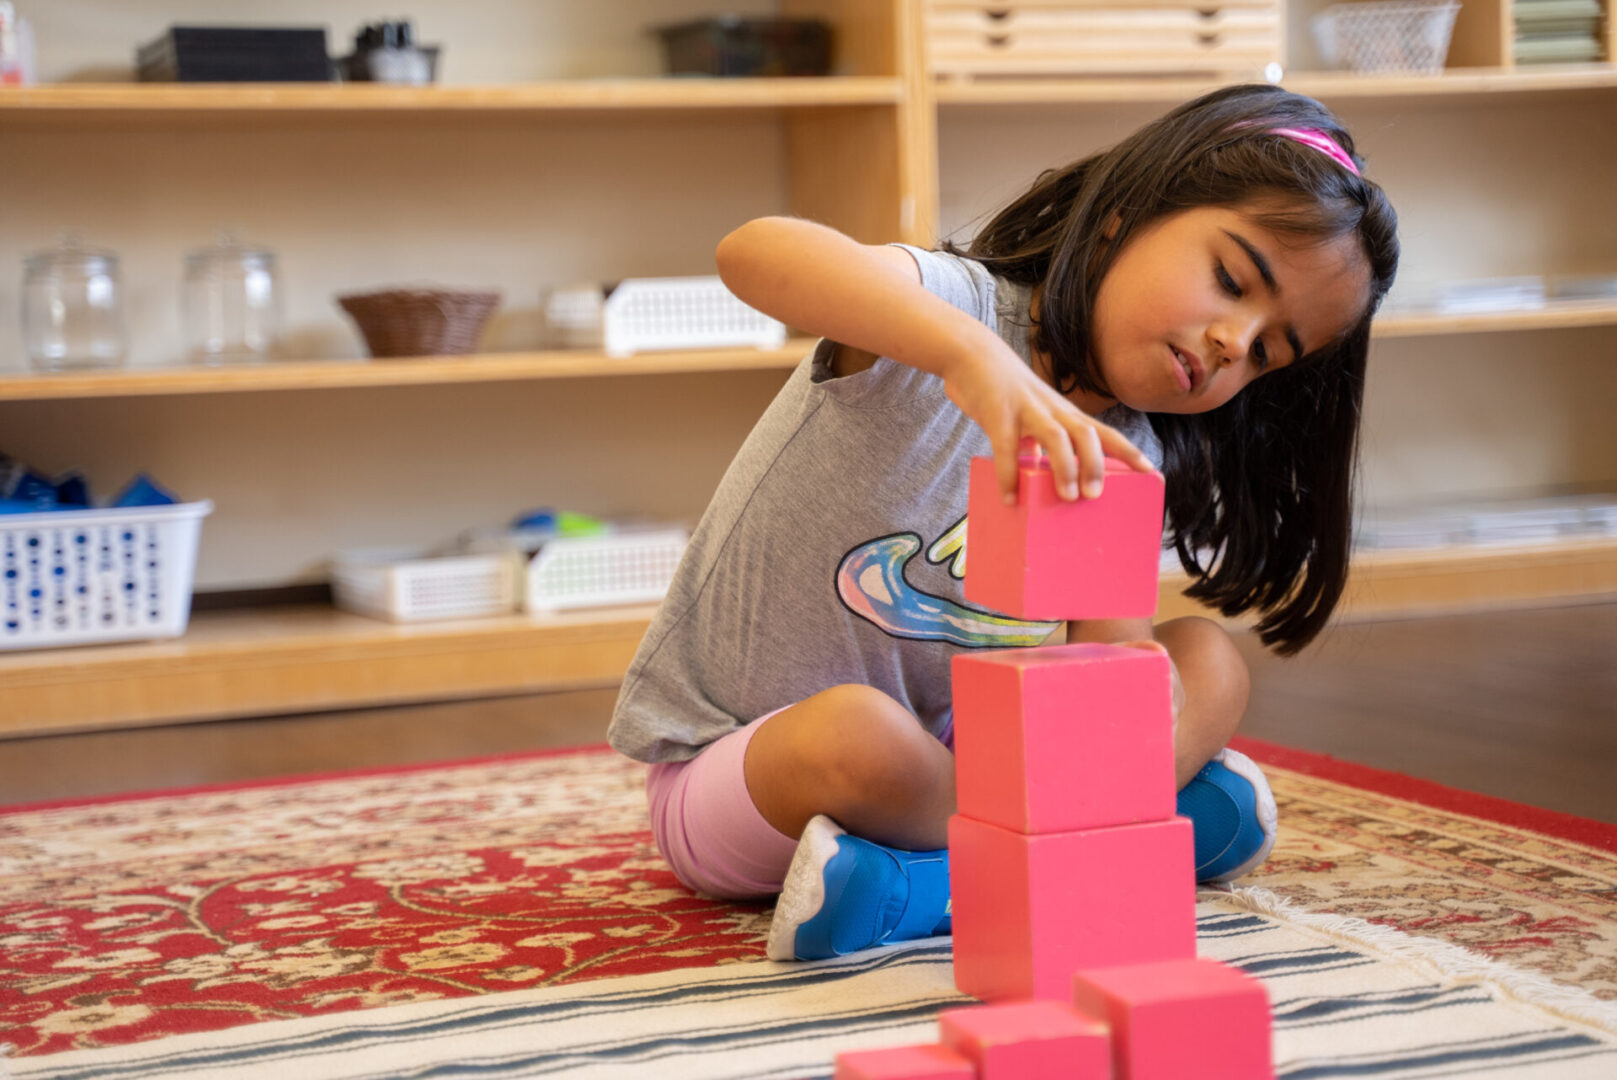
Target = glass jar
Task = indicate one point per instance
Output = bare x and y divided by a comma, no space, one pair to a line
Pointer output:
72,308
232,303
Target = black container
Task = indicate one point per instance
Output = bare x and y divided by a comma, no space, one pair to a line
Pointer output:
730,45
236,54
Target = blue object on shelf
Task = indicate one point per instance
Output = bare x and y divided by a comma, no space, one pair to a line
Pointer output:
36,490
73,491
559,522
144,491
17,506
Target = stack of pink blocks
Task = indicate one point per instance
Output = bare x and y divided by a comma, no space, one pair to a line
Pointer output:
1074,899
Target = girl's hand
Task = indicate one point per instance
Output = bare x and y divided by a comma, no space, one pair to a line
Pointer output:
997,390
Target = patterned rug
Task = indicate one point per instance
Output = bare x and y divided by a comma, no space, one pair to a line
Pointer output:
143,918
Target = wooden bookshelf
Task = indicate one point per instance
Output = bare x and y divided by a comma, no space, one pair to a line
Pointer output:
582,364
1443,580
257,662
1478,86
303,659
1554,315
92,104
413,371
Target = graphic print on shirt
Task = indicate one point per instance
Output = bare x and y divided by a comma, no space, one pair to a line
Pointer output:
870,580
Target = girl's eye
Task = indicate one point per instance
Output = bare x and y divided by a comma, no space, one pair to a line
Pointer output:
1227,282
1260,353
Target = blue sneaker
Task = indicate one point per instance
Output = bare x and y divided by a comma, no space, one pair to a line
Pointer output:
1233,811
843,894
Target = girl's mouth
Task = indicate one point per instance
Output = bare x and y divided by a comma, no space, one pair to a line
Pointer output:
1185,368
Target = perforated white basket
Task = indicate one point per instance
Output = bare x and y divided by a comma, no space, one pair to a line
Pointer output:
647,314
1386,35
407,585
596,571
82,577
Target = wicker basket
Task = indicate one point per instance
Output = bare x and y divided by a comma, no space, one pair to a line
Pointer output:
421,322
1387,35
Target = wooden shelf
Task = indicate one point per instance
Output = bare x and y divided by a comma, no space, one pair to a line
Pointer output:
574,364
1479,85
297,659
305,659
91,103
1391,582
1554,315
415,371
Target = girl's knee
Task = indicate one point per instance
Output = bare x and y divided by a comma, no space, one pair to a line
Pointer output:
1209,660
848,741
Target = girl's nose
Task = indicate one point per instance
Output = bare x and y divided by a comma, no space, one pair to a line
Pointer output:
1234,337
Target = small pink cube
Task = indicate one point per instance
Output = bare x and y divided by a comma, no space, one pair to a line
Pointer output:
1177,1018
929,1061
1048,558
1029,1040
1063,737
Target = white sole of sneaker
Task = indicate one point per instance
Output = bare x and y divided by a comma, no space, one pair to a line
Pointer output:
803,893
1268,816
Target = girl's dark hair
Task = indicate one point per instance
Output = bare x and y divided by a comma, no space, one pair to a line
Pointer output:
1261,487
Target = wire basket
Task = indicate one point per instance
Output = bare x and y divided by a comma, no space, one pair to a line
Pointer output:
83,577
595,571
1409,36
409,585
645,314
420,322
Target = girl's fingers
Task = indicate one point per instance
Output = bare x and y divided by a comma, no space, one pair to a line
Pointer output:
1004,445
1091,460
1059,450
1118,446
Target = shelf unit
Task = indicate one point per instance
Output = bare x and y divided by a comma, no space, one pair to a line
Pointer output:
578,364
306,658
859,150
401,371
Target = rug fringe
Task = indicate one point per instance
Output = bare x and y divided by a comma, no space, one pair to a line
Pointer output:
1450,960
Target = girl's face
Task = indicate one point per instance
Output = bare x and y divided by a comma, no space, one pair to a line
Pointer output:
1202,302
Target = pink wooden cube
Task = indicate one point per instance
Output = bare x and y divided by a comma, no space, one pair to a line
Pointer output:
1031,910
1029,1040
1178,1018
1047,558
1063,737
931,1061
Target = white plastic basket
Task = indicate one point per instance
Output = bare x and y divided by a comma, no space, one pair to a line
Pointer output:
83,577
408,585
594,571
1386,35
647,314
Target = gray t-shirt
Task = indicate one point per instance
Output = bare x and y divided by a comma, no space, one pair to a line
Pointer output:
833,549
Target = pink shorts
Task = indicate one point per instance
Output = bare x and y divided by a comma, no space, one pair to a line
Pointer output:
709,830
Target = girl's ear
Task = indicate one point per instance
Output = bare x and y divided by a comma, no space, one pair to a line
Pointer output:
1113,224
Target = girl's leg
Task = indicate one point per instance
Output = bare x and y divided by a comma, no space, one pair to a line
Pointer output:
858,757
1217,686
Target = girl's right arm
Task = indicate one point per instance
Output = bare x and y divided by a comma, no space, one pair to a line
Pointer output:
869,299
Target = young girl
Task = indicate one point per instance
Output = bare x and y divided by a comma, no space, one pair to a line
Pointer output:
1197,300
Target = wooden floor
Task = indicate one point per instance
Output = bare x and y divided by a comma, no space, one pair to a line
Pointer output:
1521,704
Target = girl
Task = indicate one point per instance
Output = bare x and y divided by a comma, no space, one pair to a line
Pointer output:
1197,300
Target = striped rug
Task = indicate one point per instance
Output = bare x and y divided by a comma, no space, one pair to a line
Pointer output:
1350,999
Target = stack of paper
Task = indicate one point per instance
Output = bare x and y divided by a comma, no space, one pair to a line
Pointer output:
1558,31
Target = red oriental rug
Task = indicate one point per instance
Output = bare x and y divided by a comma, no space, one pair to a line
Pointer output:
136,918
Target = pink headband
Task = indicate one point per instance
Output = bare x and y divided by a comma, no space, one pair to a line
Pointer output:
1321,142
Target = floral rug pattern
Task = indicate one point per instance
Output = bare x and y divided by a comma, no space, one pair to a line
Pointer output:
135,919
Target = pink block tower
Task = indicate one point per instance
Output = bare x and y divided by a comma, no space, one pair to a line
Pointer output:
1071,874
